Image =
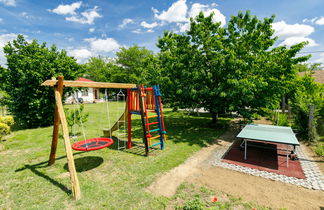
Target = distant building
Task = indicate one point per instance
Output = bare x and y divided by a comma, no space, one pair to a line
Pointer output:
318,75
86,95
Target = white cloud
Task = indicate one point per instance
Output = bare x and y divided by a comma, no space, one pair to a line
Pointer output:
207,10
291,34
320,59
306,20
67,9
137,31
184,27
9,2
125,22
149,25
87,17
320,21
284,30
295,40
81,54
92,30
150,31
176,13
4,38
103,45
315,20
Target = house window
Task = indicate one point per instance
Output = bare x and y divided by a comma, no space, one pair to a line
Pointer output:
84,92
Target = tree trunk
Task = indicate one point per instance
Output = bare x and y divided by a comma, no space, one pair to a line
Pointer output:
283,105
214,117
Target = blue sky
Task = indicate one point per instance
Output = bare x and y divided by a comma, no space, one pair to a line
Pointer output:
101,27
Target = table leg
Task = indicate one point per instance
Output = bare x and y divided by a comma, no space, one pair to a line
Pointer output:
245,146
287,155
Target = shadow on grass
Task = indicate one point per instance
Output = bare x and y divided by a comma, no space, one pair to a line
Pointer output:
34,168
138,148
86,163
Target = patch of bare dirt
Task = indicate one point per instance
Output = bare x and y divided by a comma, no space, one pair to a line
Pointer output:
198,169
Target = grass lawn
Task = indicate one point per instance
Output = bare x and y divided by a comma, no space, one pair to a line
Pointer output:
109,178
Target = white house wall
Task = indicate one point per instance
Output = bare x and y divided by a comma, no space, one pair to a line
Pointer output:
89,99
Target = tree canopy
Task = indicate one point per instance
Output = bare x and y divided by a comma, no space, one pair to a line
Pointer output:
28,65
235,68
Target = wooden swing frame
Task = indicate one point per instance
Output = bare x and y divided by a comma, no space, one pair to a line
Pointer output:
59,117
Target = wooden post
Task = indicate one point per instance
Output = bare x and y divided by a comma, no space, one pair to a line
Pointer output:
59,88
141,103
73,175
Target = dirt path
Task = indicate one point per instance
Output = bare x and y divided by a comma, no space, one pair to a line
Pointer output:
198,169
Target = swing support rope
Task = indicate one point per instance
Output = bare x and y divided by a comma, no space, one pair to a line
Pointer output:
92,143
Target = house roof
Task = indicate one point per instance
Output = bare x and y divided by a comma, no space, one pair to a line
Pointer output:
81,79
318,75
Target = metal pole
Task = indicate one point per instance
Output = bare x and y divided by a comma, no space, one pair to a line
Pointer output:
245,146
287,155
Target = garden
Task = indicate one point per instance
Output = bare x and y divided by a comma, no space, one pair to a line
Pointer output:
214,80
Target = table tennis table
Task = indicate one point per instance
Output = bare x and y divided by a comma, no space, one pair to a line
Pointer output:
268,134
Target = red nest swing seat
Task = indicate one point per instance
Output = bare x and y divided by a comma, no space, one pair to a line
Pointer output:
92,144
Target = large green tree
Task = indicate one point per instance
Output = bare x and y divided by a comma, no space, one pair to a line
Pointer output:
28,65
235,68
135,65
100,68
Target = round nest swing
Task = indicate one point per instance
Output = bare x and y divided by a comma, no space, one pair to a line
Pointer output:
92,144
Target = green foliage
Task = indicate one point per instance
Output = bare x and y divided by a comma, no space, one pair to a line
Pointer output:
76,116
4,129
99,69
134,65
306,67
5,123
28,65
307,92
7,120
319,150
282,120
195,204
234,68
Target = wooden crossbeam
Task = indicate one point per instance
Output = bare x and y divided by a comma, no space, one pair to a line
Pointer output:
69,83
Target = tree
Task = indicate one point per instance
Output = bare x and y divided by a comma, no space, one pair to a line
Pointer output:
131,65
28,65
99,69
226,69
307,67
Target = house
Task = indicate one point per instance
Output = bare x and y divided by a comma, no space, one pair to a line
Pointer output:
317,75
86,95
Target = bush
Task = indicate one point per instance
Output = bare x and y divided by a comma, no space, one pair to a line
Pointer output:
4,130
7,120
307,92
282,120
28,65
319,150
195,204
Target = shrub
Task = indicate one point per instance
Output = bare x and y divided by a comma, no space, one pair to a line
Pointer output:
319,150
282,120
195,204
7,120
75,117
4,130
307,92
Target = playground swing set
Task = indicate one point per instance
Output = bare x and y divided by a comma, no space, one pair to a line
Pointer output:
141,100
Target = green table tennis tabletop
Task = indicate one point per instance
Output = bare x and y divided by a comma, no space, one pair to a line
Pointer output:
270,133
